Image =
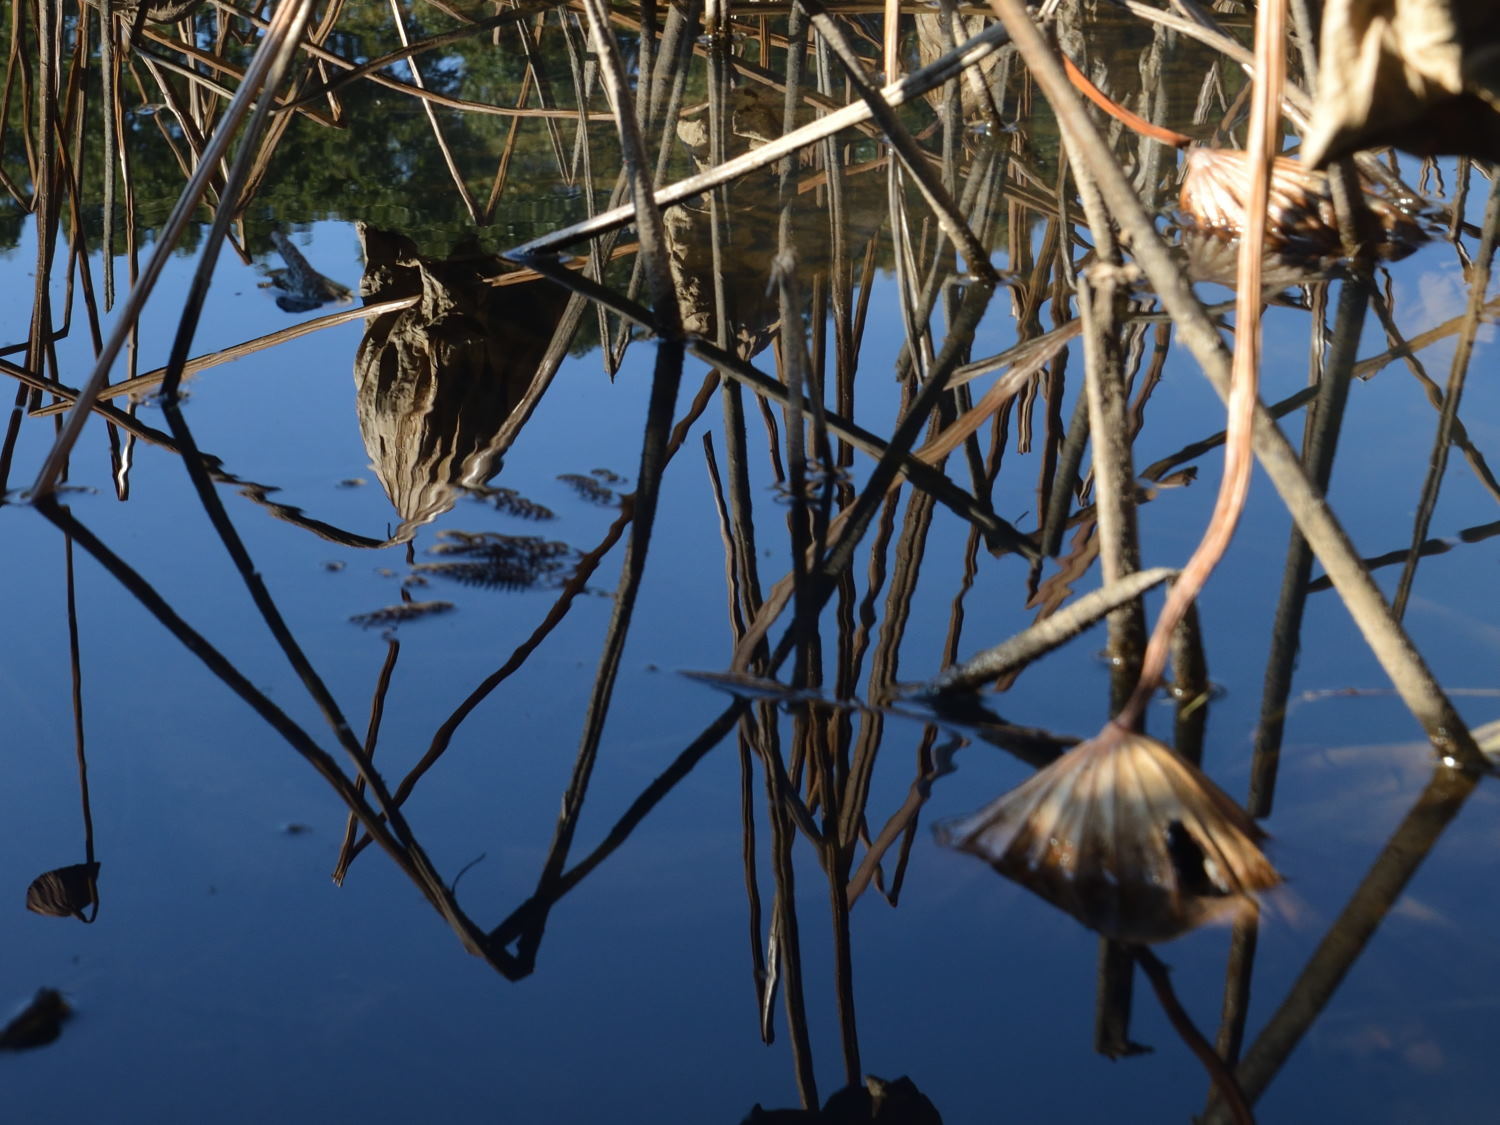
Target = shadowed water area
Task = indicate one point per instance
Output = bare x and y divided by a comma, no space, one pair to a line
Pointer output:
497,649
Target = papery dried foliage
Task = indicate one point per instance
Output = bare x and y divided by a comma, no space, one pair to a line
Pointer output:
1124,835
400,614
1423,75
67,892
1301,218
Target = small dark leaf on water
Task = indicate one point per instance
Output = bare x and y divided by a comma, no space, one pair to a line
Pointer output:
66,892
400,614
38,1024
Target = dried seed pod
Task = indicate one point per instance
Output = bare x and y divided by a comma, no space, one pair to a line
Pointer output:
1124,835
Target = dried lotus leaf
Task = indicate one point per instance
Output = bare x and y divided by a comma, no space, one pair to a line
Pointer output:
1124,835
67,892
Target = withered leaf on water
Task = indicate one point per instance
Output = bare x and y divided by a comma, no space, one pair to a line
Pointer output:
400,614
38,1024
1124,835
65,892
1423,75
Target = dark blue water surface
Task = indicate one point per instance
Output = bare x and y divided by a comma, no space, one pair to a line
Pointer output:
227,979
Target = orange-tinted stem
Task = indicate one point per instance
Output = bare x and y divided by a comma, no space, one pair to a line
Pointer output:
1119,112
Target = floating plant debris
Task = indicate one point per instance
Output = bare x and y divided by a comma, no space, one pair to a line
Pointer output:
588,489
400,614
1124,835
38,1024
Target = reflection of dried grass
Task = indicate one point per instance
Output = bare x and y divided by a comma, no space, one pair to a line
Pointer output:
1125,836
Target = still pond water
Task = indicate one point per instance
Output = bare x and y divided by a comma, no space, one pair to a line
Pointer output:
696,959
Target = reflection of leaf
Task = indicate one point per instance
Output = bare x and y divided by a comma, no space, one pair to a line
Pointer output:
588,488
66,892
398,614
492,574
512,503
494,561
39,1024
492,545
1420,74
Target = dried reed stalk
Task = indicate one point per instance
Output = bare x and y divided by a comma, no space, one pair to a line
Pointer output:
1122,833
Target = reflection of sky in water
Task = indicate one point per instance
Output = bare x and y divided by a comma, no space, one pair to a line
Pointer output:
227,980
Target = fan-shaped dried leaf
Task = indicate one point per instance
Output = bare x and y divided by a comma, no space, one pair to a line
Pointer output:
400,614
1301,220
66,892
38,1024
1423,75
1124,835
